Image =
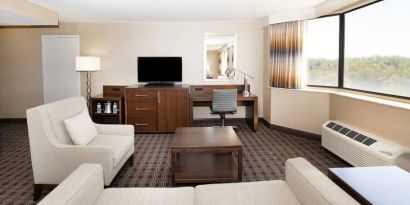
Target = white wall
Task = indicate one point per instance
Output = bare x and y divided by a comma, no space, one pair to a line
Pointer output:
119,45
307,110
299,109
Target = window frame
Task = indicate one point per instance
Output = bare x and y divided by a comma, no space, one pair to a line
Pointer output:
338,80
341,68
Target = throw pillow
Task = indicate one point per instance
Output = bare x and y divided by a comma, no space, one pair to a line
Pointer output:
81,128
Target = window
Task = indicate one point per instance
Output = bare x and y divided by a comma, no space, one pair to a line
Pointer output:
323,51
375,45
377,48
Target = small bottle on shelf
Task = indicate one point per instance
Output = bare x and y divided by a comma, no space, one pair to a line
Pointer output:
98,107
114,108
107,106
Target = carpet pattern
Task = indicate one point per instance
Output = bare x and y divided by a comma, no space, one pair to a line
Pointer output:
264,156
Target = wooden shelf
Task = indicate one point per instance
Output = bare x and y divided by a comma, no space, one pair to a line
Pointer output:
106,114
114,94
205,168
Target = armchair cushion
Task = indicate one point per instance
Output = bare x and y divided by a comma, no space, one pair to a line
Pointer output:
81,128
120,145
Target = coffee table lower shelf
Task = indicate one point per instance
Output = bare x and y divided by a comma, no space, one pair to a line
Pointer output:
205,168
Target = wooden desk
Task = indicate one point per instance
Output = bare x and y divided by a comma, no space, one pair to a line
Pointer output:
374,185
201,96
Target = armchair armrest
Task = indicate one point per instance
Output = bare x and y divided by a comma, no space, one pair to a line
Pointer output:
57,163
115,129
82,187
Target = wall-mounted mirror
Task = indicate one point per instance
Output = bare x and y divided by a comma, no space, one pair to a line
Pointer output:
220,54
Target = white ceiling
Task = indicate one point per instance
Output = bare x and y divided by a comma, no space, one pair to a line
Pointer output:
172,10
8,18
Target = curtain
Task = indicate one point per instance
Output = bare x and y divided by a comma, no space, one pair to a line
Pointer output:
285,52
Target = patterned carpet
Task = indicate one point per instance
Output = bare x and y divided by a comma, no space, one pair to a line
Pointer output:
265,153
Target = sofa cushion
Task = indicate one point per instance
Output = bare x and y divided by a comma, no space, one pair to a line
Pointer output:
81,128
261,193
147,196
120,144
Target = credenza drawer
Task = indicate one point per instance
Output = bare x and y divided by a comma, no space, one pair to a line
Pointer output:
143,125
141,95
142,109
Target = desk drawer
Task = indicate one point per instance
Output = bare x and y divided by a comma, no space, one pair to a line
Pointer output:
141,95
142,110
143,125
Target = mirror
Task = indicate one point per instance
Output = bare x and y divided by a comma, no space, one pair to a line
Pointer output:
220,54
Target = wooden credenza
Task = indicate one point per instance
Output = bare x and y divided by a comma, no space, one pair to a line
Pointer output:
157,109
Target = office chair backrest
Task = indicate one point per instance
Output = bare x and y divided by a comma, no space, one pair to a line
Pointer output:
224,101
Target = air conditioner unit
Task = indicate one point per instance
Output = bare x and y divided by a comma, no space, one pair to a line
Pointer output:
362,149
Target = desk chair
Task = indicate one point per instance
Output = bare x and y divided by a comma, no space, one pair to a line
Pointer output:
224,102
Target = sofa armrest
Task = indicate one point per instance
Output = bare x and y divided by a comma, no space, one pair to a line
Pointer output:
115,129
311,186
57,163
82,187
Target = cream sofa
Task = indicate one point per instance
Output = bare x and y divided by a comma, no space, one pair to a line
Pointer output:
304,185
53,154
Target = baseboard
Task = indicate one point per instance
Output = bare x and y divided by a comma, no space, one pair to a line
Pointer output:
13,121
295,132
264,122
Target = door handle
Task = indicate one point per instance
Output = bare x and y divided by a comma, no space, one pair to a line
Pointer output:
141,124
141,95
144,108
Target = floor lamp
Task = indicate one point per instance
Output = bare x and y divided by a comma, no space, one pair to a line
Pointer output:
87,64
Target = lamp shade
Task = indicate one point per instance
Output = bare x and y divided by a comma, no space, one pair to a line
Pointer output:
87,63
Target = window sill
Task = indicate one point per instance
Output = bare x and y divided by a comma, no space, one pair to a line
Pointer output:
378,99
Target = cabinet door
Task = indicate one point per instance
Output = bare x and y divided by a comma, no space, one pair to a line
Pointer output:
172,110
162,111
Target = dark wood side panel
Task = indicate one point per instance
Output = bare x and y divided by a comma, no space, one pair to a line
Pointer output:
162,111
183,108
114,90
172,110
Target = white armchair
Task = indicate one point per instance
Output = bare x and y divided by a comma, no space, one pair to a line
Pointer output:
53,154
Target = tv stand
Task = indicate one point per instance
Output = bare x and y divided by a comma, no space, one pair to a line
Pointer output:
159,84
157,109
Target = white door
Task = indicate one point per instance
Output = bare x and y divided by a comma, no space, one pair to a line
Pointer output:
60,80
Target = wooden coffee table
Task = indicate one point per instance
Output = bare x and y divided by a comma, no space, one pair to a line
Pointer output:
205,155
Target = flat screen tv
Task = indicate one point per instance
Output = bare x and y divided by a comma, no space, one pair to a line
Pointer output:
166,70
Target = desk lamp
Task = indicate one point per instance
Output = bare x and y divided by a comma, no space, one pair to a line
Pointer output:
231,72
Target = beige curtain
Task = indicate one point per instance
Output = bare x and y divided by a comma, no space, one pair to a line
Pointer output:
286,46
